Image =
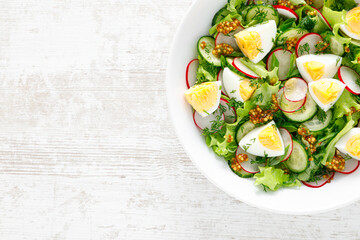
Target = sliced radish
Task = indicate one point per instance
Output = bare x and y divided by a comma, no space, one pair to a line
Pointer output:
307,43
349,77
237,30
191,72
221,79
243,69
350,166
230,113
283,56
295,89
319,183
286,105
286,12
318,4
230,40
247,166
206,122
287,139
323,18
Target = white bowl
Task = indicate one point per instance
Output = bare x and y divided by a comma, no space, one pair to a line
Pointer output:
341,191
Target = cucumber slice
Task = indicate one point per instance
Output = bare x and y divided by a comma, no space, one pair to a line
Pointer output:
267,11
220,15
316,125
241,172
244,129
290,33
305,113
206,52
298,160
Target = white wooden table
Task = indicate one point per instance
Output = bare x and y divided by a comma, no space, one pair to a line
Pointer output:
86,147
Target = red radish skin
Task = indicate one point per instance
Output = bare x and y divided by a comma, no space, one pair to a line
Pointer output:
348,76
312,39
350,166
230,114
296,105
320,183
247,166
243,69
286,12
204,122
220,78
285,134
299,93
323,18
284,62
191,73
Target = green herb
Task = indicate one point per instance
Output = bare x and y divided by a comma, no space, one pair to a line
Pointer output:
216,125
260,50
321,115
235,104
304,49
206,112
260,15
222,109
233,91
246,147
253,140
307,23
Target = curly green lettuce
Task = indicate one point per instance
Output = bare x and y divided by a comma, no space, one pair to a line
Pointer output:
273,178
259,69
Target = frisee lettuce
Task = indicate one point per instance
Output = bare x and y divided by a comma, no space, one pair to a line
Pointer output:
273,178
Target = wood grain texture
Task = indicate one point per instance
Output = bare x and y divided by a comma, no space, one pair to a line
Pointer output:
86,147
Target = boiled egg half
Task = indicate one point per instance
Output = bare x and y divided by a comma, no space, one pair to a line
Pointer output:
350,143
326,92
256,41
237,86
314,67
352,29
263,141
204,97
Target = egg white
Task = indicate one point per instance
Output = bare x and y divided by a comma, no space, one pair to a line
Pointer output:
267,32
326,107
250,143
348,32
231,83
332,63
341,144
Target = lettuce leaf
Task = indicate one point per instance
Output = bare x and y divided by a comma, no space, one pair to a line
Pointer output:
206,72
329,151
223,142
259,69
273,178
339,5
344,104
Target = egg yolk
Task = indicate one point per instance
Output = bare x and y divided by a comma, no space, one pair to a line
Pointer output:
245,89
203,96
353,145
315,69
326,91
249,42
353,20
270,138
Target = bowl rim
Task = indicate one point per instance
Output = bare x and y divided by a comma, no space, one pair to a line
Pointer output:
171,114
